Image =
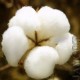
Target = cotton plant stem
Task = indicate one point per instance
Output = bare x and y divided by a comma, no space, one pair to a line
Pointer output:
21,62
43,40
4,67
65,67
36,38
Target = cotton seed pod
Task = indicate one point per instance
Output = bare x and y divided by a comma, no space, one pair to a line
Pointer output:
27,19
65,48
14,44
53,22
40,62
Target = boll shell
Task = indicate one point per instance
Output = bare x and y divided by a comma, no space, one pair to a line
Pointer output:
27,19
53,22
40,62
74,41
65,48
14,45
53,41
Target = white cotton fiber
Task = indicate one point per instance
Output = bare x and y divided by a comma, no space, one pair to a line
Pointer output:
54,40
40,62
53,22
27,19
65,48
14,44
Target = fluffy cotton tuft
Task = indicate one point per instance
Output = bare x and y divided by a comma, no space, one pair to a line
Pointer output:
40,62
14,44
65,48
27,19
53,22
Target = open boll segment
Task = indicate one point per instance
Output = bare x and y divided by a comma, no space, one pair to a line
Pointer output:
66,47
27,19
53,22
40,62
14,44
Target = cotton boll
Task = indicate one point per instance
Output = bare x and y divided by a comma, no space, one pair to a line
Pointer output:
65,48
54,22
14,44
27,19
40,62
